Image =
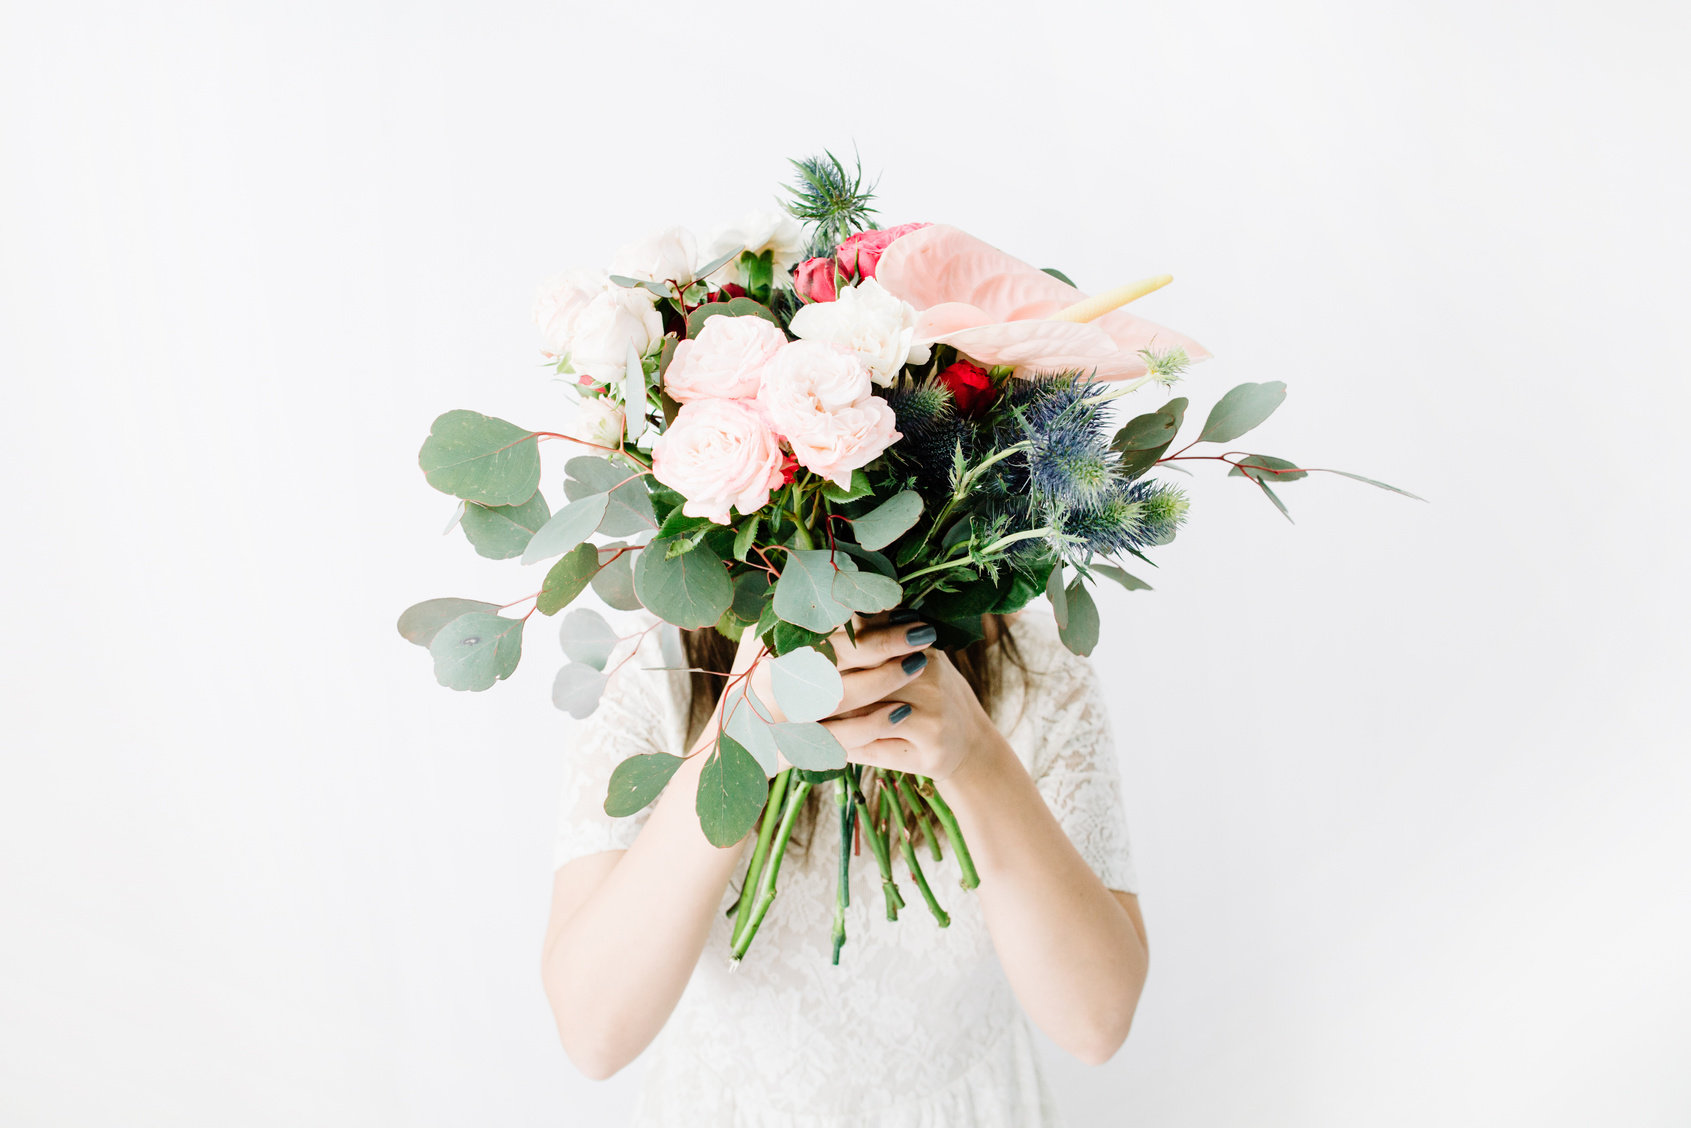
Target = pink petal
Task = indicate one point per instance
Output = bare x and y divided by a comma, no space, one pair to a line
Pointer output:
948,317
1046,345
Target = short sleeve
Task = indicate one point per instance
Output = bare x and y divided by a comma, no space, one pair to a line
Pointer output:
1075,768
641,712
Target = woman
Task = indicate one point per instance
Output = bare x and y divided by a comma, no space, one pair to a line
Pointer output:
917,1026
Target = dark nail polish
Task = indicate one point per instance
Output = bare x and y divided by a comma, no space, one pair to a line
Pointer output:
920,636
914,662
901,712
900,617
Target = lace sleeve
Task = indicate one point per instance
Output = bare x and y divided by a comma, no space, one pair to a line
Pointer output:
641,712
1075,768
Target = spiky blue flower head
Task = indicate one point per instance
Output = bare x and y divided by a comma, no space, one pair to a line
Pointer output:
1131,515
1069,463
933,434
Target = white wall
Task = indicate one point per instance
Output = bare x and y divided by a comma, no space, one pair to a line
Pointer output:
1408,782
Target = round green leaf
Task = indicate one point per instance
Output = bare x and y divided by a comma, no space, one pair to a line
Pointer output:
500,532
865,592
888,521
807,686
732,791
577,689
566,579
803,595
689,591
568,527
420,622
733,307
746,713
1241,409
637,781
614,582
586,637
481,459
808,745
750,590
475,650
1081,633
630,508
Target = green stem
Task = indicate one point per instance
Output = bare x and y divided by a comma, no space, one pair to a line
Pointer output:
909,849
921,813
772,868
942,811
878,846
771,816
842,892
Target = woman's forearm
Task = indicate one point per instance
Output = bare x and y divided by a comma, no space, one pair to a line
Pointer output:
1071,951
627,931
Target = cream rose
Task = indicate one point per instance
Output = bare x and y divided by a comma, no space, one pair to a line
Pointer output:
598,421
725,360
836,443
718,453
819,397
559,302
668,254
767,229
866,319
606,326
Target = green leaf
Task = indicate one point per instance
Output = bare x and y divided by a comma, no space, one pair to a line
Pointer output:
1120,576
745,536
420,622
733,307
1242,409
566,579
689,591
1275,498
630,508
717,263
1147,437
1081,634
577,689
475,650
746,723
803,594
768,620
1372,482
888,521
732,790
587,638
874,559
637,781
864,592
859,488
808,745
1058,275
500,532
1267,468
628,283
614,582
678,524
481,459
1057,594
634,395
568,527
787,638
807,686
751,592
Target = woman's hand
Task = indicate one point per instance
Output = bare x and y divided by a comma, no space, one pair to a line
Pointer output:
886,658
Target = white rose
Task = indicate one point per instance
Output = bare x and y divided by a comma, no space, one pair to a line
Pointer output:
666,255
767,229
606,326
724,361
559,302
866,319
807,378
598,421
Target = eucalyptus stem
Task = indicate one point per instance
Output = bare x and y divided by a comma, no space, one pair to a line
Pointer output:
842,892
909,849
942,811
921,813
771,816
772,867
878,846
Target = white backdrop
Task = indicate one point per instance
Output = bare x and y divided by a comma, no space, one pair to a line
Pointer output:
1408,782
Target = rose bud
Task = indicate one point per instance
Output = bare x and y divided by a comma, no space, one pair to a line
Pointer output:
813,280
969,385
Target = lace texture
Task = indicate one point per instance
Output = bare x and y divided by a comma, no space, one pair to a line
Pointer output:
917,1027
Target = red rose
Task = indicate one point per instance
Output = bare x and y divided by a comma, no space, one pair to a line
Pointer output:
969,385
728,291
861,254
814,280
789,470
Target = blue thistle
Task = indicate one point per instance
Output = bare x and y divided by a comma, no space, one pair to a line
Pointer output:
834,200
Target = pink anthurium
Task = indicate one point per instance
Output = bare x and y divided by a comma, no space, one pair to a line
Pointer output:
998,310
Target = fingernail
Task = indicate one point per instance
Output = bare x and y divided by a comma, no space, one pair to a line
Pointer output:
921,636
914,662
902,711
900,617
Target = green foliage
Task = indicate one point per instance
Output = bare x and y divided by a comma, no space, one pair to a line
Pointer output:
614,582
745,712
1372,482
1242,409
751,592
689,591
804,594
888,521
568,527
630,508
745,536
809,746
577,689
637,781
1058,275
1120,576
826,195
859,488
420,622
1267,468
475,650
587,638
1081,633
807,686
785,637
500,532
481,459
1146,438
1057,593
732,791
733,307
567,578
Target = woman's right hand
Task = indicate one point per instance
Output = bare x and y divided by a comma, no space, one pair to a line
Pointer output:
886,657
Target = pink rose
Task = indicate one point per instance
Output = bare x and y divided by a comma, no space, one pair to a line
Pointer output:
814,280
718,453
724,360
818,396
861,253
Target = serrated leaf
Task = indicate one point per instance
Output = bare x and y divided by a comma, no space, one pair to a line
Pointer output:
500,532
587,638
630,508
859,488
1267,468
1372,482
1058,595
614,582
808,745
732,791
888,521
568,527
1081,633
1242,409
745,536
577,689
807,686
475,650
420,622
745,713
803,593
1121,576
690,591
637,781
567,579
480,458
733,307
678,524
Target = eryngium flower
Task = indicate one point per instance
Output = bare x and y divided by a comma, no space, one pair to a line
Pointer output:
1131,515
932,430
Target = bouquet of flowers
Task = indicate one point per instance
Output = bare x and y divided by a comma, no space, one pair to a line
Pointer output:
811,419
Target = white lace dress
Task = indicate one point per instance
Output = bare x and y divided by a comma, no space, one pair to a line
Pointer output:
917,1027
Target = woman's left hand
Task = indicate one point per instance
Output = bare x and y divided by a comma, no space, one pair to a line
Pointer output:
930,726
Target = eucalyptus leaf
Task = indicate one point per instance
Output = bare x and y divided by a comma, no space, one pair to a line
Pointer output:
614,581
751,591
634,395
807,686
875,560
567,579
587,638
1057,594
577,689
1121,576
1081,634
1147,438
1275,498
865,592
888,521
500,532
732,791
689,591
746,723
810,746
630,508
803,593
717,263
480,458
1242,409
733,307
420,622
1267,468
1372,482
457,516
568,527
637,781
475,650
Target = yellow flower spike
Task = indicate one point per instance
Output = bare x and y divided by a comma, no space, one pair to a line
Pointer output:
1099,304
